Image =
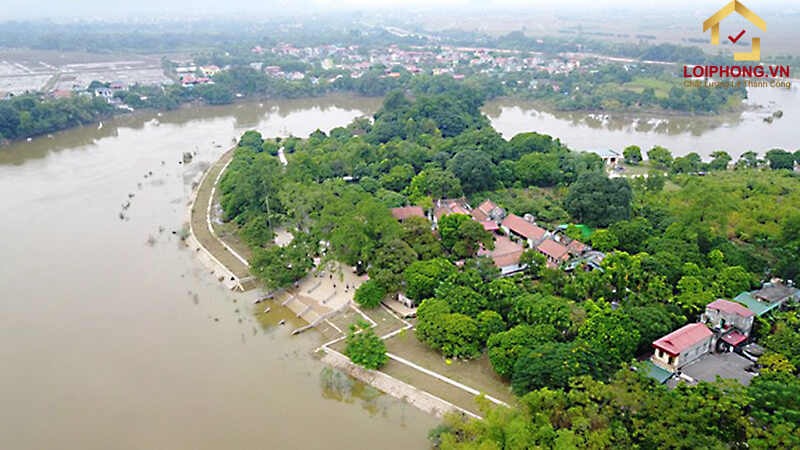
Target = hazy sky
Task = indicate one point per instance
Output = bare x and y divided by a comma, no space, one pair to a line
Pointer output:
65,10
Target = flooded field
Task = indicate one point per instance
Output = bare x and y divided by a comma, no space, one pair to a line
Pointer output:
31,70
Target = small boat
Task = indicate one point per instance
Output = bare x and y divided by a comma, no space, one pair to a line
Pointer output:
266,310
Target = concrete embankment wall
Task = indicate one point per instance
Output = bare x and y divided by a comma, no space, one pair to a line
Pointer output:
392,386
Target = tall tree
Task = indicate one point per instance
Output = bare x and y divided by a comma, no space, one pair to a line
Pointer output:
632,154
462,236
596,200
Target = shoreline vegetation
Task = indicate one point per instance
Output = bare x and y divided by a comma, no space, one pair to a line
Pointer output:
562,75
674,240
399,382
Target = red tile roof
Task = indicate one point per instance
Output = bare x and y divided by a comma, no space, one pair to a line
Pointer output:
734,338
407,211
489,225
683,338
577,247
451,207
730,307
522,227
506,252
481,213
553,249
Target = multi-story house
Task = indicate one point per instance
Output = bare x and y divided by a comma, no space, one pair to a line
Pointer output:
730,321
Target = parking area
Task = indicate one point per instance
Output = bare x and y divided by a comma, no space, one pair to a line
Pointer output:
707,368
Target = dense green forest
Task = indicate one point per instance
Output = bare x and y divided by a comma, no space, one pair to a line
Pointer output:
563,339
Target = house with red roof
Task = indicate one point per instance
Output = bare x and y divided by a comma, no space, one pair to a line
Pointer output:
683,346
488,211
490,226
730,321
506,255
405,212
445,207
576,247
555,252
516,226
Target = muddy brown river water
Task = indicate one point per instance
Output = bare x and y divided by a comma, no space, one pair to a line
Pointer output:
113,336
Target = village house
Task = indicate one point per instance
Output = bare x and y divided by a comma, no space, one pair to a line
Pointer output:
506,255
487,211
707,349
772,296
730,321
105,93
516,226
682,346
576,247
555,252
609,157
405,212
210,71
445,207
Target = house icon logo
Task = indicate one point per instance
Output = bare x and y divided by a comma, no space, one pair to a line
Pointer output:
736,6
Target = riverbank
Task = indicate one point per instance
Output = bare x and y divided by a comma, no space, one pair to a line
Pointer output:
415,374
152,349
225,264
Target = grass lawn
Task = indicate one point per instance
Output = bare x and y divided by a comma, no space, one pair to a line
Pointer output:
427,383
660,86
477,373
229,233
386,321
635,170
198,218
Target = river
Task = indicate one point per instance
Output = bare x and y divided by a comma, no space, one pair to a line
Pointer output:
114,336
734,133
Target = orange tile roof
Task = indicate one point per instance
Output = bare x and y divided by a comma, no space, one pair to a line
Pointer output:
553,249
450,207
506,252
407,211
522,227
489,225
481,213
576,247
